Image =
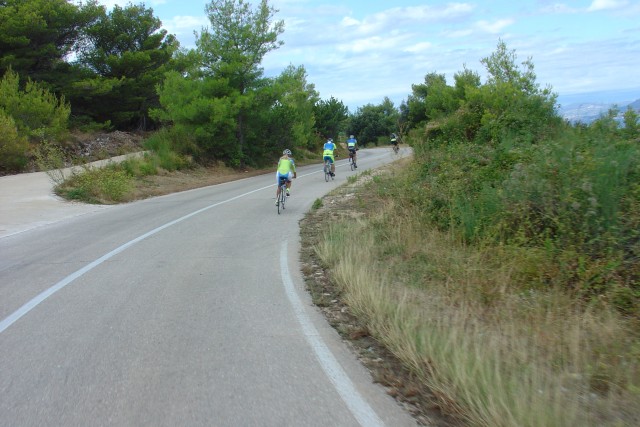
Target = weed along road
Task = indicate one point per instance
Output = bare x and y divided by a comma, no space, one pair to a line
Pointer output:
181,310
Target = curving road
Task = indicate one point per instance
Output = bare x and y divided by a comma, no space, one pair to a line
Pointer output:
181,310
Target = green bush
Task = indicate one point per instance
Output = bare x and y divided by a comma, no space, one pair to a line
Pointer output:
13,147
37,112
171,148
101,185
575,197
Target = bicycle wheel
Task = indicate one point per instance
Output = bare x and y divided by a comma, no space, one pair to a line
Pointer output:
327,171
283,196
351,163
279,205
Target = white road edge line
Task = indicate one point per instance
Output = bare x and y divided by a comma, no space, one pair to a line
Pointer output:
360,409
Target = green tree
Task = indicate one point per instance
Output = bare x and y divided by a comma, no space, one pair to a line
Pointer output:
36,36
35,111
368,124
514,103
331,117
13,146
464,82
298,97
391,117
431,100
201,115
631,124
233,49
125,56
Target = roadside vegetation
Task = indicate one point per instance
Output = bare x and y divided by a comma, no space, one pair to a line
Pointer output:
68,68
500,265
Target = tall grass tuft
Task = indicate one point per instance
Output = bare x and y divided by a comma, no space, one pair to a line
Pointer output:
109,184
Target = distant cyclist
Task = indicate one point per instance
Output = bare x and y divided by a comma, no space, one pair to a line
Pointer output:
286,170
352,145
327,154
394,142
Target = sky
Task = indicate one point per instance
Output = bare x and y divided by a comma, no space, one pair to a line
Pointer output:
361,51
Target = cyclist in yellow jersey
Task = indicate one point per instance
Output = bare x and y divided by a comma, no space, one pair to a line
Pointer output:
327,154
286,170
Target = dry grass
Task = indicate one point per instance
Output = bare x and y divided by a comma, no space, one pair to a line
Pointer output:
495,355
171,182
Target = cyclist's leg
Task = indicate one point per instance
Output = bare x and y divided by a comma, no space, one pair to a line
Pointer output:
289,182
278,177
333,165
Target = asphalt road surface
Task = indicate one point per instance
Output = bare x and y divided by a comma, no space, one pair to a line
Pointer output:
181,310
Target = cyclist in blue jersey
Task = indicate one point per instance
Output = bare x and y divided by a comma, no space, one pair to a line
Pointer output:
327,154
352,145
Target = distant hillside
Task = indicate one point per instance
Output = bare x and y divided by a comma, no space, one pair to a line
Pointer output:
586,112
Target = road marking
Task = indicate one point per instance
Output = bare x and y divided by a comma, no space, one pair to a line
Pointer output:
360,409
34,302
26,308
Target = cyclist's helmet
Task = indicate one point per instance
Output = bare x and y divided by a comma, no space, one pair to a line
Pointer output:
350,136
287,152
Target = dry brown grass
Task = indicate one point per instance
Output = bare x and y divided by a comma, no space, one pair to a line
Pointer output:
492,354
172,182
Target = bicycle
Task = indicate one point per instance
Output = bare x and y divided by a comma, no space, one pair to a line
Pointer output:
327,170
282,197
396,149
351,162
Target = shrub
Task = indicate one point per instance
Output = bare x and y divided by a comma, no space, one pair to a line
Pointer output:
37,112
13,147
50,158
172,148
101,185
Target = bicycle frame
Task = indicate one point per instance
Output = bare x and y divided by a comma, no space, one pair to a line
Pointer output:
282,197
327,170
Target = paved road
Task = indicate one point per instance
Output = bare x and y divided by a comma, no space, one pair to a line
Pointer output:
27,200
186,309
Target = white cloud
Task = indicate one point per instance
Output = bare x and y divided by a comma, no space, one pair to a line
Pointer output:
348,21
374,44
558,8
180,24
404,16
495,26
607,5
458,33
418,47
